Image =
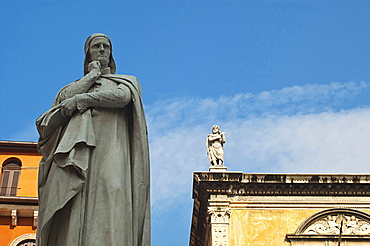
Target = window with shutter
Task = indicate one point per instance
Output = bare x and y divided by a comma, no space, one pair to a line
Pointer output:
10,177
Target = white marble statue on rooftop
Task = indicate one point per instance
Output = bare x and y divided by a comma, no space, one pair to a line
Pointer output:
215,149
94,174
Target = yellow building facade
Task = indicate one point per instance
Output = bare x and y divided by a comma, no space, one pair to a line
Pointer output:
18,193
239,209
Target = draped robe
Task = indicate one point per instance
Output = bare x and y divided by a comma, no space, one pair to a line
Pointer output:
94,174
215,148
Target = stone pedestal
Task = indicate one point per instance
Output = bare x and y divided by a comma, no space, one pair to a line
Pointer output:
217,168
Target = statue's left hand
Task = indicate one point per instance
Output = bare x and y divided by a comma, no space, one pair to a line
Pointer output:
68,106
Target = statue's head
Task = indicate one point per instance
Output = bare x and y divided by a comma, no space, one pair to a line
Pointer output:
215,129
89,46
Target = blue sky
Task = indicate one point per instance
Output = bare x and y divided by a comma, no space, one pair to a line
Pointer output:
288,81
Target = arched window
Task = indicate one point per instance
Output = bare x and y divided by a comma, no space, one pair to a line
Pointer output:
332,227
11,170
29,242
25,240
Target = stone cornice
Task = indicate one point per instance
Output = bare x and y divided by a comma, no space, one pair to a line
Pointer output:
281,178
238,183
18,146
18,200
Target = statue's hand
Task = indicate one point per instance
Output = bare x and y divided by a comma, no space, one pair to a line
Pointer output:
94,69
94,65
68,106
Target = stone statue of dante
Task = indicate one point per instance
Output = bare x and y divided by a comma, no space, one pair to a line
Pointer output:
214,144
94,173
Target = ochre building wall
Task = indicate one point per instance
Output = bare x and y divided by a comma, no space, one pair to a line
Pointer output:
9,234
261,227
27,186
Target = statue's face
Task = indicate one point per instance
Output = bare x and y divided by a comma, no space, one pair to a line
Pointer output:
215,130
99,50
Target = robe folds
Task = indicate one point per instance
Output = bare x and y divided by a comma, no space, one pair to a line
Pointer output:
94,173
215,148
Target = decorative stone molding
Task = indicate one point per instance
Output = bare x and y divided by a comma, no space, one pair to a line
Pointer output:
219,226
330,225
217,176
219,216
329,222
20,239
288,178
220,236
243,184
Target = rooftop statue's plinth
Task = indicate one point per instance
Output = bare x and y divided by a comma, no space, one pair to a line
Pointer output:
218,168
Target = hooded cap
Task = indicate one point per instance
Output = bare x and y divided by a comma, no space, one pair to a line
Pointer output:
111,64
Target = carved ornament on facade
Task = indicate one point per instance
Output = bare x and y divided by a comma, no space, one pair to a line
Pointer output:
30,236
219,225
332,224
220,236
219,215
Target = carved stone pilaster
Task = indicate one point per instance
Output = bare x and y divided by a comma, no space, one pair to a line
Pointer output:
219,226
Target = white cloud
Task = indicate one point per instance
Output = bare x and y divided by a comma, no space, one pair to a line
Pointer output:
325,142
311,98
299,129
295,130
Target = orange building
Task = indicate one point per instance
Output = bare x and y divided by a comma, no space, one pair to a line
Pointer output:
18,193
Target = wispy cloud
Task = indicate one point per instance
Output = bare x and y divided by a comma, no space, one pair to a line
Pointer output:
295,129
311,98
27,133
